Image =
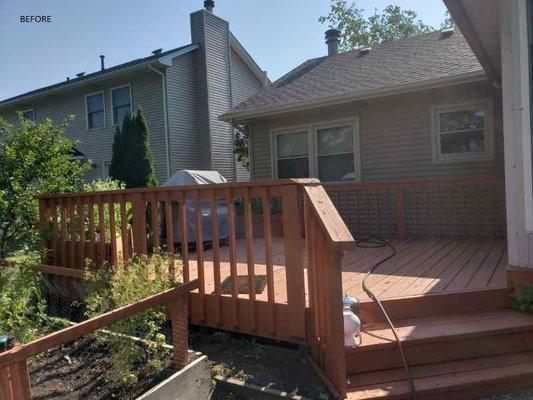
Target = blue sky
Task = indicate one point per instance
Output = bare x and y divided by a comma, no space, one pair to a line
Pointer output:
279,34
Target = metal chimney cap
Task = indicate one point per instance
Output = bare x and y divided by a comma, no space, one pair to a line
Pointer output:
209,5
333,34
333,40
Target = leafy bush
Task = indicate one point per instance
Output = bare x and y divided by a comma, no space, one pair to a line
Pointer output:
111,287
34,159
523,299
21,305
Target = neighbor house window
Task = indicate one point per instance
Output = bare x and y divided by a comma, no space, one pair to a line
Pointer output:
95,111
29,114
292,155
335,154
461,133
121,99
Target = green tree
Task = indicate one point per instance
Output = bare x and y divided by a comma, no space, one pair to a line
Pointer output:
34,159
132,161
448,22
358,31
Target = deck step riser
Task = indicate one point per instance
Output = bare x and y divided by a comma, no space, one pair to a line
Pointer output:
450,349
438,304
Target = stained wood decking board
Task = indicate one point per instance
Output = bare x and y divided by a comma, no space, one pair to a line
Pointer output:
419,267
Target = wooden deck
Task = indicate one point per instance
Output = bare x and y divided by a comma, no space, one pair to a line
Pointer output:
419,267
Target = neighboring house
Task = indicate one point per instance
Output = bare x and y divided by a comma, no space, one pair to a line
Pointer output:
409,108
181,91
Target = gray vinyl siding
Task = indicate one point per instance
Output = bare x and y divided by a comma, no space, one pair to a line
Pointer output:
96,144
212,35
395,134
183,131
244,83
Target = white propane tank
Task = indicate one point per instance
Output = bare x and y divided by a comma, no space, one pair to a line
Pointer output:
352,328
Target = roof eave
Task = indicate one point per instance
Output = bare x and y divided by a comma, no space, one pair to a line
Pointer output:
243,116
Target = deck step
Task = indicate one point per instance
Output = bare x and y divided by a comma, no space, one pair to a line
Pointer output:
456,380
442,338
436,304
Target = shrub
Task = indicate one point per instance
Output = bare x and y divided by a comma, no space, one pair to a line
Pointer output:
523,299
21,305
34,159
112,287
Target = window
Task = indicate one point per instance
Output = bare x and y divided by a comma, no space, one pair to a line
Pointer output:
292,155
29,114
335,153
95,111
121,100
461,133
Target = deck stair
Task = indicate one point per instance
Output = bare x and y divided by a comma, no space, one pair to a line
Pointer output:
452,355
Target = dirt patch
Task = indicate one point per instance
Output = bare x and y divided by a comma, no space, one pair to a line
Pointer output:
260,362
78,369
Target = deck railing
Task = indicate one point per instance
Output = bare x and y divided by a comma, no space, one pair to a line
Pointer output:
457,207
14,376
107,226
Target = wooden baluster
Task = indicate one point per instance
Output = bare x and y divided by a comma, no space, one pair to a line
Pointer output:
156,227
267,226
124,229
101,230
232,256
428,217
83,238
292,241
400,212
5,384
310,243
112,230
55,233
415,211
20,381
139,224
182,221
450,212
169,223
439,212
200,249
216,252
64,235
248,227
92,229
73,254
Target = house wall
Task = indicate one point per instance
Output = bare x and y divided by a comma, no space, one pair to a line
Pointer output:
395,133
96,144
182,108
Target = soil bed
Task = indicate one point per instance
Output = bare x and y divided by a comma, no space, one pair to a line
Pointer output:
261,362
78,370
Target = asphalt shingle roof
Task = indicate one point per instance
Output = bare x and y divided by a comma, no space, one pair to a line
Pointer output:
405,61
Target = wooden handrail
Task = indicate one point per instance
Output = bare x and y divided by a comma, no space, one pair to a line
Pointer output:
336,230
228,185
22,352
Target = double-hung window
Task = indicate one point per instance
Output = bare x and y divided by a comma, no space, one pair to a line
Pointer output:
29,114
462,133
335,154
95,110
121,99
292,154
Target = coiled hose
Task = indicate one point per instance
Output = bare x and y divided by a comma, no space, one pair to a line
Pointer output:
375,242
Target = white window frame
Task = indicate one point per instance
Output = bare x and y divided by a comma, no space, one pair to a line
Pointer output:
488,154
28,110
286,131
113,106
101,92
312,132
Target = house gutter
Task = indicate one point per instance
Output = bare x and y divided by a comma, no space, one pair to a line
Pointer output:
165,114
371,94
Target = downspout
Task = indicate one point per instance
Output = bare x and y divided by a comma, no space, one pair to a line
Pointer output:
165,114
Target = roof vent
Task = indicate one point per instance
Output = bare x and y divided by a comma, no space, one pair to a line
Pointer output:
333,40
364,50
209,5
68,78
80,74
157,51
102,63
446,33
